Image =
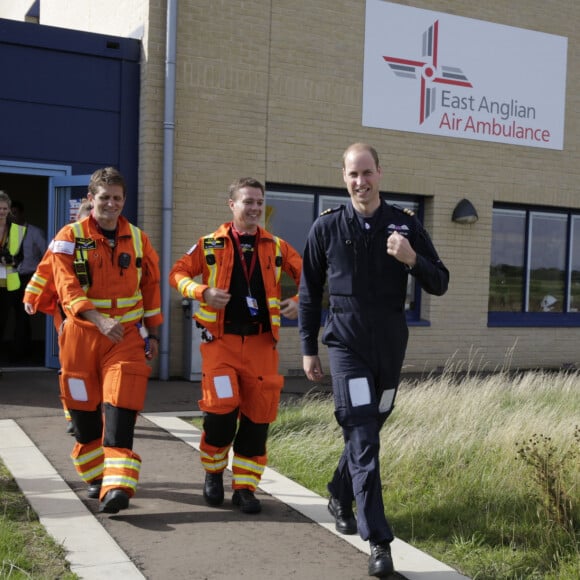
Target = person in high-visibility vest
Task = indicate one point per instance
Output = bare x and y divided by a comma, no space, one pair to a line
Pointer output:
240,312
106,274
11,237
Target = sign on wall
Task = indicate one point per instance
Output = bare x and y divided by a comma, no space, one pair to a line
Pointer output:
439,74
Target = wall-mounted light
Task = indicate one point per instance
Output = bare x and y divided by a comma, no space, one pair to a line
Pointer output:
464,213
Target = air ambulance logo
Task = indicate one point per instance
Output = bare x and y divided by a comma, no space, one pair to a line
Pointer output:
429,71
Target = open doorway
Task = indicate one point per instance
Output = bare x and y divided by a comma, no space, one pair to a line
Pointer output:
32,192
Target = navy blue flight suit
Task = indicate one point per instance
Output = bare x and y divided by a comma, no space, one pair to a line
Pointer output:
366,334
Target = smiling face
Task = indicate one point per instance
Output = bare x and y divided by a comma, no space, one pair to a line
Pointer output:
246,206
108,201
362,177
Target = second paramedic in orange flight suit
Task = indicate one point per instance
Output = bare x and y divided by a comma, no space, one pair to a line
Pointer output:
106,274
40,296
240,307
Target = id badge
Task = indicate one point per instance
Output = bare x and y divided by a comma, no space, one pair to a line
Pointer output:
252,305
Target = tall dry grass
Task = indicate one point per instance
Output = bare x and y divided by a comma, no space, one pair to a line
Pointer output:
455,480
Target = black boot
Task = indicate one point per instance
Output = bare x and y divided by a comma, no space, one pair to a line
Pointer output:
94,488
381,562
246,501
343,515
114,501
213,489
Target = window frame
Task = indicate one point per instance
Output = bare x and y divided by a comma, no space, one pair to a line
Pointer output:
565,319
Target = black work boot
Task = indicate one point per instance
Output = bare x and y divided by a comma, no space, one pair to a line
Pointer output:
213,489
115,501
246,501
381,561
343,515
94,488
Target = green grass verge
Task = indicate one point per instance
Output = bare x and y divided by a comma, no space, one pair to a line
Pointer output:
26,550
482,473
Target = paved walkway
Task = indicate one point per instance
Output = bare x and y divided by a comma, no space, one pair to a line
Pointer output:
168,531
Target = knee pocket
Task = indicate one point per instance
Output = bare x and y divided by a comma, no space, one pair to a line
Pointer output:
79,390
125,385
262,398
221,392
355,399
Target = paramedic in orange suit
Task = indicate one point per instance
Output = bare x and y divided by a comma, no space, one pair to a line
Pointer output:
106,274
240,307
40,294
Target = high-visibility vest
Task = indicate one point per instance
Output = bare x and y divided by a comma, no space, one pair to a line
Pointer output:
15,238
103,304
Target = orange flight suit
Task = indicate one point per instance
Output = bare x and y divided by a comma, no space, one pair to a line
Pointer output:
239,373
95,371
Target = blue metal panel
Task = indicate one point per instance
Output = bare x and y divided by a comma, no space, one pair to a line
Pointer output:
70,98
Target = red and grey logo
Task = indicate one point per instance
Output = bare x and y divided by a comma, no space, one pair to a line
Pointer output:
429,71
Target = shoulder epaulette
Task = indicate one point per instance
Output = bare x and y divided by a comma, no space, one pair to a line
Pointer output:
332,210
403,209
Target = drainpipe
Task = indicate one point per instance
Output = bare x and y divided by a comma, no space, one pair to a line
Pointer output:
167,210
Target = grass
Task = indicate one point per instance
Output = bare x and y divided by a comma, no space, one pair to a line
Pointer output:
482,473
26,550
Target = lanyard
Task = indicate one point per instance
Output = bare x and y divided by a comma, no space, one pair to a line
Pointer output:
247,273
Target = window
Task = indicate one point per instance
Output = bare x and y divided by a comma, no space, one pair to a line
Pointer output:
535,267
290,211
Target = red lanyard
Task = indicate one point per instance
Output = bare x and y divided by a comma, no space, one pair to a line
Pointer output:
247,273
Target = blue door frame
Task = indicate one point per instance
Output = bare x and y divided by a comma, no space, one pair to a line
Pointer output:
63,196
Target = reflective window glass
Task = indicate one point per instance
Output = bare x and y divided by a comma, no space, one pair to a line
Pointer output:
506,280
547,262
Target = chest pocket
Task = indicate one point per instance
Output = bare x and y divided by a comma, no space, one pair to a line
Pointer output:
341,267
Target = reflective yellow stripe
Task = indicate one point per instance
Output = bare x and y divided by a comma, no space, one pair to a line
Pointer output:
278,269
128,302
130,316
187,286
211,281
275,320
102,302
77,300
274,302
87,457
204,314
138,247
150,313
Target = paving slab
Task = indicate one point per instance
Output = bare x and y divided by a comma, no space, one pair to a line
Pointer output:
168,531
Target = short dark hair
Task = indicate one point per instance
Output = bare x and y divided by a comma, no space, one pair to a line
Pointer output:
17,205
242,182
361,147
106,176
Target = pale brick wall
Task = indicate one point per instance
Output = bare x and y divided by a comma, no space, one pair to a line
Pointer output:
273,89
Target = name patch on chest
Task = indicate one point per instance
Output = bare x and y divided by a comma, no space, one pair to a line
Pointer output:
213,244
402,229
85,244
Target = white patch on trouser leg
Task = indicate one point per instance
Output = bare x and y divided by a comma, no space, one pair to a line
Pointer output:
386,401
359,391
223,387
77,389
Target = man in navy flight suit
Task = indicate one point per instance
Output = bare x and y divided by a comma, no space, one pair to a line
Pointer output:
365,250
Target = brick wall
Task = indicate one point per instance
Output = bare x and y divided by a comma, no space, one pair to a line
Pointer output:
273,89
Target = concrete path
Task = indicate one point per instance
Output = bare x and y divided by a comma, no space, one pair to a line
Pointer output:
168,531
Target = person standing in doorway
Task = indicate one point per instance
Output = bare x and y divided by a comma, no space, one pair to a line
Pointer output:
106,274
240,310
11,255
365,250
33,248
